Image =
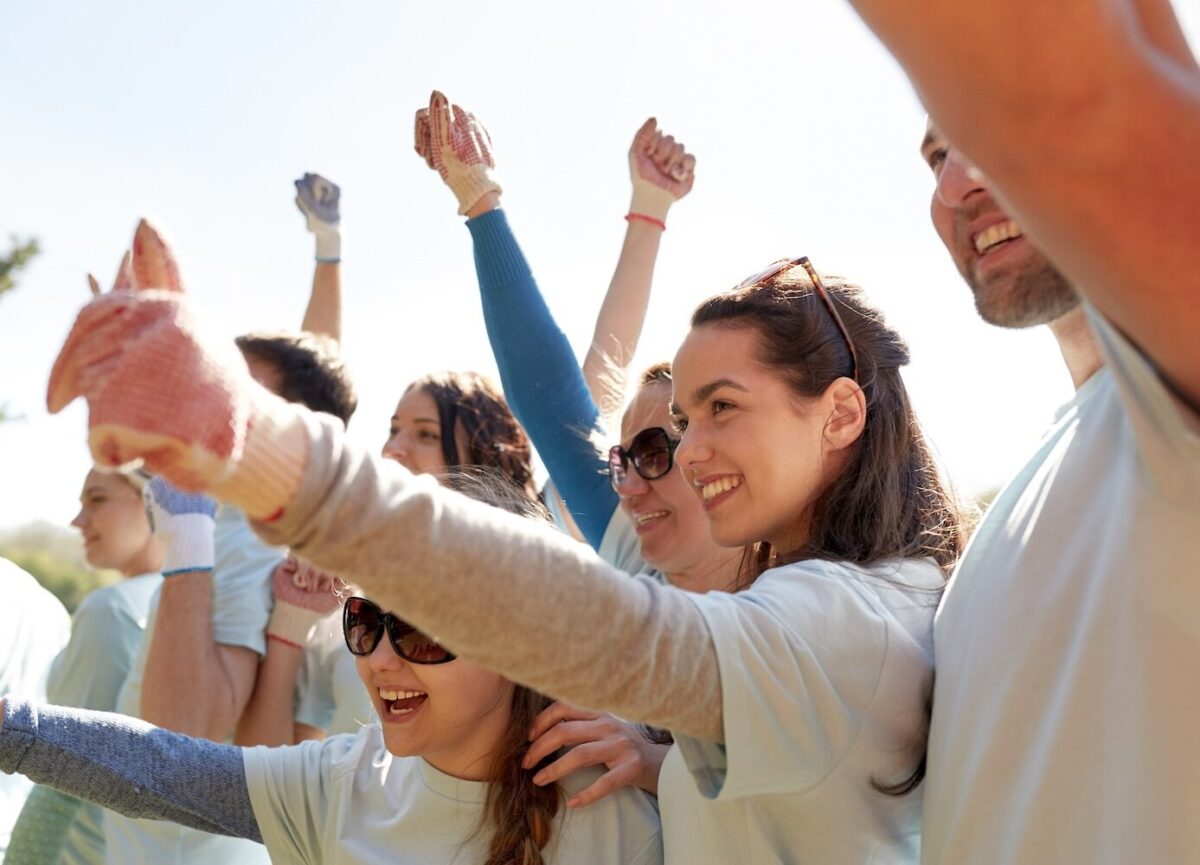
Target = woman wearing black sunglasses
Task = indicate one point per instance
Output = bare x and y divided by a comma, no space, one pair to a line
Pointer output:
438,779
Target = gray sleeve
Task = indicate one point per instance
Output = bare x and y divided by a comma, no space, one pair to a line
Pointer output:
503,591
129,766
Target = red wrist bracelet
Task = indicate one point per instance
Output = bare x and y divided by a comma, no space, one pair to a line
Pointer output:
286,642
641,217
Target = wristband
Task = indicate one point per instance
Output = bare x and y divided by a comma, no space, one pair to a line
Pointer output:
329,245
641,217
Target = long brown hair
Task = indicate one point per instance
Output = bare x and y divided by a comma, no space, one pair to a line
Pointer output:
520,812
890,501
475,404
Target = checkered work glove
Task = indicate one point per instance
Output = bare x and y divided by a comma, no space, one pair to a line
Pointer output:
156,392
661,169
319,200
455,144
303,596
185,524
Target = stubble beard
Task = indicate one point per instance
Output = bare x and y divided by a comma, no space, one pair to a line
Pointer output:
1030,295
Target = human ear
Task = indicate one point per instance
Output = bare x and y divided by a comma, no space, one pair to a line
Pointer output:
847,413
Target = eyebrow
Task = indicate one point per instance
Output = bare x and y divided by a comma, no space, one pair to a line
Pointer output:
419,419
702,393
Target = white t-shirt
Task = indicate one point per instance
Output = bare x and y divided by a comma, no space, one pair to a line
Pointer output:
241,606
34,628
825,674
346,800
329,693
1067,703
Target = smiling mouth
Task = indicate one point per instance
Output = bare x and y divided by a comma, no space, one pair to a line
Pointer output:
711,490
402,702
649,516
997,235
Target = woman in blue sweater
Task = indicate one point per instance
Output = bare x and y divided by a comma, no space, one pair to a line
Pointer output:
659,524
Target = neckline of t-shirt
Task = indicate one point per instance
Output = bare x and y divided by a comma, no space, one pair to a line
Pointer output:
458,789
1082,394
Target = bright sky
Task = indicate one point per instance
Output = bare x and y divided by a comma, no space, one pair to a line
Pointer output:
200,115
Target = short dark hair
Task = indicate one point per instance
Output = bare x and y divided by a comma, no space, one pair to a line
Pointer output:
310,366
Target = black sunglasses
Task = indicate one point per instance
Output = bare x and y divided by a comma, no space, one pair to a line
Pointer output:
363,624
652,452
783,266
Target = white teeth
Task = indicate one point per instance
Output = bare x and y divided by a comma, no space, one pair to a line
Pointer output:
721,485
996,234
399,695
642,519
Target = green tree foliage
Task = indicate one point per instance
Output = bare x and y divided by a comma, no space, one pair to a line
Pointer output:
19,254
54,556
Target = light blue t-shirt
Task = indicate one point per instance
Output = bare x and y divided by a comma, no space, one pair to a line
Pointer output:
241,607
1066,705
825,672
620,546
106,632
347,800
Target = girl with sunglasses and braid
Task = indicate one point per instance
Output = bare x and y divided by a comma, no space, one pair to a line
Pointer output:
437,780
799,705
307,687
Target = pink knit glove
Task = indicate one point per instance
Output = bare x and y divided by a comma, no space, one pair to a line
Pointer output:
455,144
661,169
303,596
156,392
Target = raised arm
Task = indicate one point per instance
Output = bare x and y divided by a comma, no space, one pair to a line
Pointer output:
303,595
662,172
320,202
129,766
1089,132
192,684
540,374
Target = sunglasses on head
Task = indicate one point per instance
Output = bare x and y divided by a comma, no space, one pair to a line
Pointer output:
783,266
363,624
652,453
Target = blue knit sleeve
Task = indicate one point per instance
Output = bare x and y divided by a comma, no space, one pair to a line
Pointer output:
129,766
541,376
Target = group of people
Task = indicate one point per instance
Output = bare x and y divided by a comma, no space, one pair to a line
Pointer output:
756,630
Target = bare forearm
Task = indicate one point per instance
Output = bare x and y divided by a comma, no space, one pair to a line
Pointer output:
619,324
268,717
324,313
186,687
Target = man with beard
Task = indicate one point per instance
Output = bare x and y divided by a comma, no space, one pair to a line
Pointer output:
1065,705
